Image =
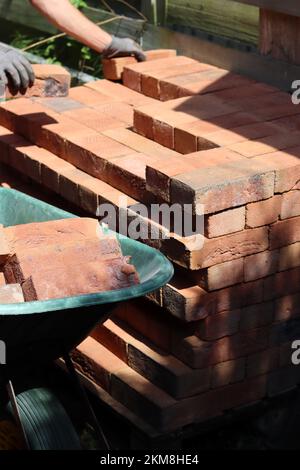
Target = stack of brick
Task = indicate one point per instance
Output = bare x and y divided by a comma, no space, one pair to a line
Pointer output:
219,335
64,258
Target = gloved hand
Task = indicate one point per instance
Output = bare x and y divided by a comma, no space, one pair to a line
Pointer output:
123,47
15,70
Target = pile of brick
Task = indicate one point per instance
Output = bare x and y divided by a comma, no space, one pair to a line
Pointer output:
219,335
57,259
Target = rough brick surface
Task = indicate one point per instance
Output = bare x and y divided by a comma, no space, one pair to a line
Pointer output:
261,265
5,249
225,222
113,68
290,206
11,294
285,233
50,81
228,372
263,212
225,274
224,187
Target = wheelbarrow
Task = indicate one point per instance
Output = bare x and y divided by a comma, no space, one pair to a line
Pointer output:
37,333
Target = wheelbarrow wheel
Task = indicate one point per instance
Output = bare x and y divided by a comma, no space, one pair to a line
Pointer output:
46,423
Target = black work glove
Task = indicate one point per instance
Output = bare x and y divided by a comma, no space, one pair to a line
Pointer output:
15,70
123,47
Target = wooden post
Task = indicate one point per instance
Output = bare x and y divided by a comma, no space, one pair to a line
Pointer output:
155,11
280,36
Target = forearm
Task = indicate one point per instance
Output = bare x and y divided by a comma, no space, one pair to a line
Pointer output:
63,15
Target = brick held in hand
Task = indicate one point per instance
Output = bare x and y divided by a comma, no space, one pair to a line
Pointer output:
113,68
50,81
89,278
11,294
27,262
5,249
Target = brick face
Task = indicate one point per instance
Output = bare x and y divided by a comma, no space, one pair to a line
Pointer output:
225,274
263,212
290,205
261,265
224,187
225,222
285,233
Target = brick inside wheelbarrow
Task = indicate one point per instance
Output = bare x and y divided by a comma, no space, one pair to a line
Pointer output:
37,332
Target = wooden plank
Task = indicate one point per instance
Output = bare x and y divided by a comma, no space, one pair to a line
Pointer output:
229,20
280,36
289,7
20,12
275,72
155,11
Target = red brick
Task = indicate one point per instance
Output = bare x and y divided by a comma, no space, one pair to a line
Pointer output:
50,80
91,193
140,144
223,223
86,278
31,261
96,362
120,93
281,284
129,174
246,91
256,316
290,204
261,265
27,236
94,119
266,145
225,137
263,212
262,362
217,250
122,112
11,294
88,96
289,257
190,302
132,75
217,326
113,68
150,81
228,372
287,307
163,370
198,83
224,187
198,353
277,111
286,165
59,105
191,135
143,124
5,249
285,233
225,274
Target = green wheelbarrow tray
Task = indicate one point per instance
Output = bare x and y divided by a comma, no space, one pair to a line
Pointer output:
42,331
